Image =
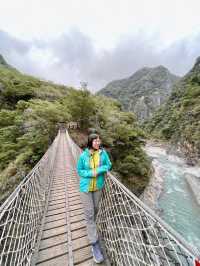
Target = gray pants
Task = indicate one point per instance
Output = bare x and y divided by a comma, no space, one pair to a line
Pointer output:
90,202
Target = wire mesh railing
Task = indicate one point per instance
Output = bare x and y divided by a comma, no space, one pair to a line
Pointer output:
132,233
21,214
75,149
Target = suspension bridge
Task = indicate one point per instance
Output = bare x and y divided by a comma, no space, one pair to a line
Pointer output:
42,221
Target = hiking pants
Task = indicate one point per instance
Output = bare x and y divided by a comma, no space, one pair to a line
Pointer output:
90,202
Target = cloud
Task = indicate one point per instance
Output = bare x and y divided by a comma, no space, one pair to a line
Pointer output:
128,56
180,56
138,51
15,51
72,57
11,44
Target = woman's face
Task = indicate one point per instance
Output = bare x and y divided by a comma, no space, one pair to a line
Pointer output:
96,143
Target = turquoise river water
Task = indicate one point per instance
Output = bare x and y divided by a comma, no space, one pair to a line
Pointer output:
177,202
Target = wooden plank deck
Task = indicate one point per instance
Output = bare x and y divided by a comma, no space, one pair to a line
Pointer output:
64,238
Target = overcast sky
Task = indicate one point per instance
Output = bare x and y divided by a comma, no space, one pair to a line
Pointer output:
68,41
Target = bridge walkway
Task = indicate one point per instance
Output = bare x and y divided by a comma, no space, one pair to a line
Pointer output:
63,235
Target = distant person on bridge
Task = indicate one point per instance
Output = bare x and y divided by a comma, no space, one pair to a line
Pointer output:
92,167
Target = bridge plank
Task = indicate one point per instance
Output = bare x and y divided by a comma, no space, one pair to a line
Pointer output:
79,233
76,196
54,224
76,212
82,255
56,261
55,240
80,242
55,206
75,207
75,201
56,199
54,217
55,202
49,253
54,232
77,225
58,190
55,211
77,218
55,195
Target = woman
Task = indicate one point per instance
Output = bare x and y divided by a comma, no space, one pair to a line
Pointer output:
92,167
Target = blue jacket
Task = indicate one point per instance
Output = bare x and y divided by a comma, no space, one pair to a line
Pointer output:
86,173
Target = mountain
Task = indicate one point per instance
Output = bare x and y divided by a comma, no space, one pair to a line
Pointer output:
178,121
143,92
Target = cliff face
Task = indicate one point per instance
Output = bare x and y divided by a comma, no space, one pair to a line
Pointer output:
178,121
143,92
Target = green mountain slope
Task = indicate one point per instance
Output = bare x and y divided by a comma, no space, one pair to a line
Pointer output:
179,119
30,111
143,92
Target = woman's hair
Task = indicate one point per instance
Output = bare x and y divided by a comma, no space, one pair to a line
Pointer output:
91,137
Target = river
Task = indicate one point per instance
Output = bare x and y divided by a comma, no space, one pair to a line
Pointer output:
177,203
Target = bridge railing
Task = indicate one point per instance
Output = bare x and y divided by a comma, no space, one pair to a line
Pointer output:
132,233
22,212
75,149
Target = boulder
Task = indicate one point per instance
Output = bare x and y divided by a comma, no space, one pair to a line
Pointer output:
194,184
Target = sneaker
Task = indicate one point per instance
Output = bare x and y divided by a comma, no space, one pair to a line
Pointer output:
97,254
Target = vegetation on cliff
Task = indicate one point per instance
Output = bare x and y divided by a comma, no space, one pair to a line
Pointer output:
178,121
